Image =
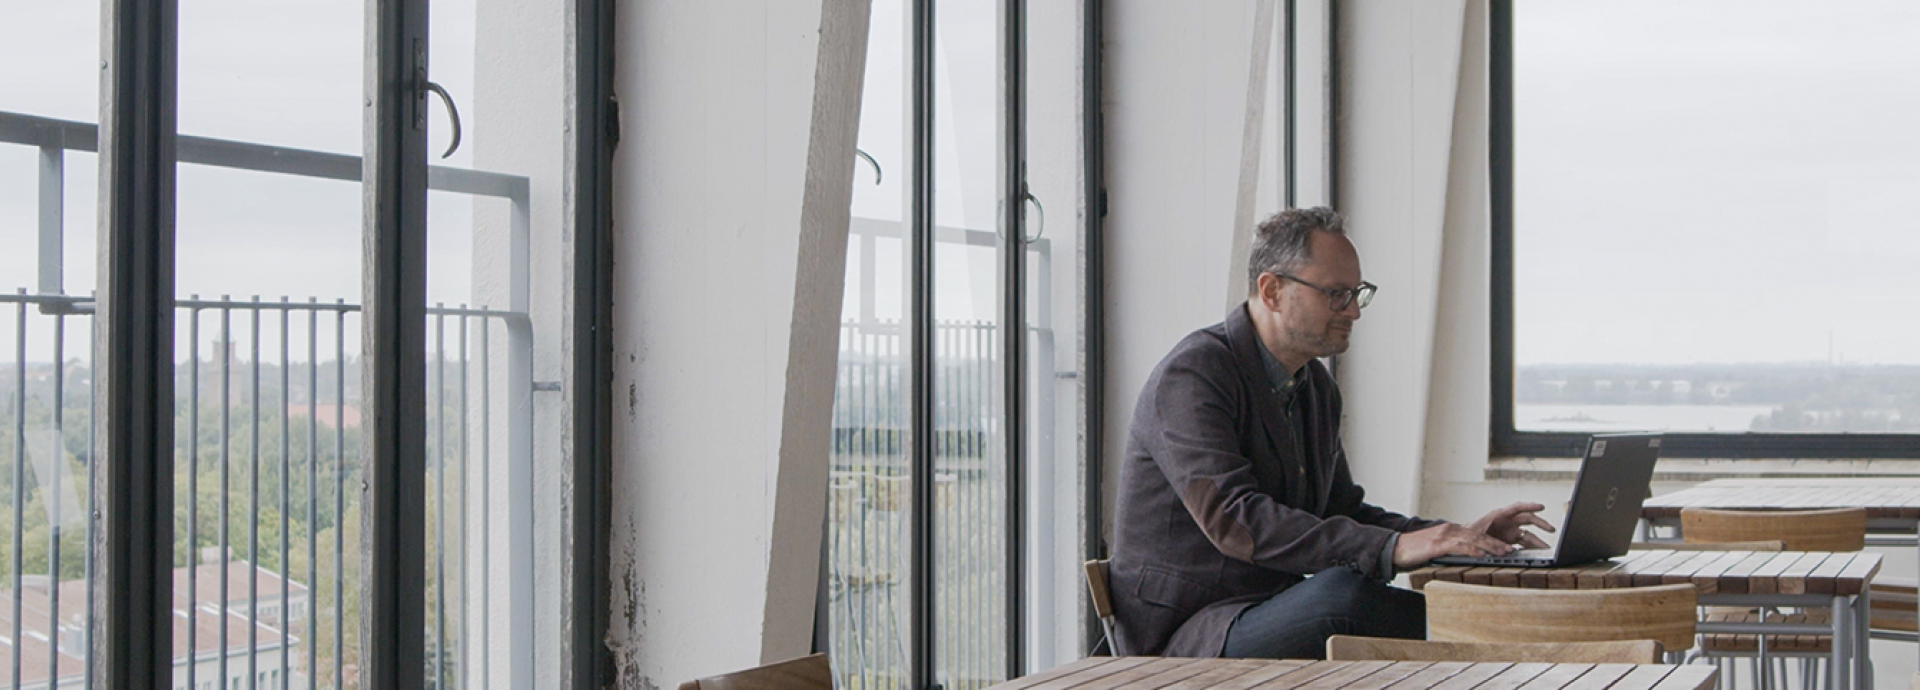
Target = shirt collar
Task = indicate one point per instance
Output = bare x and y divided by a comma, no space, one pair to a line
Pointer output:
1284,382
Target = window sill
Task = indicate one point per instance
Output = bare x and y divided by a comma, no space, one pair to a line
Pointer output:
1702,469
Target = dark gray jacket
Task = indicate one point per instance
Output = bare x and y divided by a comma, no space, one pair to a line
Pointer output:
1220,507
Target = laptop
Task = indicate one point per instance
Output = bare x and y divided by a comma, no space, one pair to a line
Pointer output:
1606,505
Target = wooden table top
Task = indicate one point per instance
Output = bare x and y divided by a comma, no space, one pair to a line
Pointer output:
1882,497
1710,572
1155,673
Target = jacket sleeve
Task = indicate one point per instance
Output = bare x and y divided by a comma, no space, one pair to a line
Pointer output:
1189,425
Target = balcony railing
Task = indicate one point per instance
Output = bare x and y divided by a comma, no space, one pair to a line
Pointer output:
267,416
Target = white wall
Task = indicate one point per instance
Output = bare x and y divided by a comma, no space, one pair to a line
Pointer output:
723,251
1176,106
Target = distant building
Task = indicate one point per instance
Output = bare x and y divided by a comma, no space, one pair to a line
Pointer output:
277,628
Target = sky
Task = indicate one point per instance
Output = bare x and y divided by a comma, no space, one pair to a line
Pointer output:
1717,181
1699,181
284,73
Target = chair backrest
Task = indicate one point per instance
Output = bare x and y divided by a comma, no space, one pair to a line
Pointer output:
1097,588
1350,648
805,673
1843,529
1768,545
1473,613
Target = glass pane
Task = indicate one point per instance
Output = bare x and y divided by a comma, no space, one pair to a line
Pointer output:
49,99
498,296
970,530
869,523
1054,383
267,338
1714,219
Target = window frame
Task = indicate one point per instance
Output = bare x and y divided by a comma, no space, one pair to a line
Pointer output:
135,335
1504,438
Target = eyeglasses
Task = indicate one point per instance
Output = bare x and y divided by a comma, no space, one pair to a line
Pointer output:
1339,298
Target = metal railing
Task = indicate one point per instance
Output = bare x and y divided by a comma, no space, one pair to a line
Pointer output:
869,500
310,403
40,390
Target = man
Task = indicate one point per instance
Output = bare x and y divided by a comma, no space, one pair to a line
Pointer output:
1239,531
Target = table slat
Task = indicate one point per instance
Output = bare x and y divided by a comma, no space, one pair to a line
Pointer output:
1470,678
1821,580
1556,677
1642,678
1349,673
1220,674
1173,670
1766,579
1793,580
1393,673
1601,677
1854,578
1089,663
1515,676
1431,676
1307,673
1688,677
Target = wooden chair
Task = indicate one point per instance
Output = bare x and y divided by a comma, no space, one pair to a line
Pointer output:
1842,529
1102,599
1838,530
1350,648
805,673
1506,615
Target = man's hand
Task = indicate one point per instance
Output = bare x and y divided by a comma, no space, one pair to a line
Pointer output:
1493,535
1504,524
1416,548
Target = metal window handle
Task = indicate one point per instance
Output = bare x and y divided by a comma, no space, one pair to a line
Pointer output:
870,161
452,114
1042,210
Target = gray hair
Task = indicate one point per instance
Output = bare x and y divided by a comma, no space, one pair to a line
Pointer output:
1283,242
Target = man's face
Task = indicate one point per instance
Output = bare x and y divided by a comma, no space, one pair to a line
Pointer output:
1311,328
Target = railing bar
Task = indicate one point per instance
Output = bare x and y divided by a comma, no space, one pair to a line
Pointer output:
439,418
340,500
253,506
226,481
286,490
313,491
87,679
871,479
57,471
486,519
33,130
466,595
19,478
193,493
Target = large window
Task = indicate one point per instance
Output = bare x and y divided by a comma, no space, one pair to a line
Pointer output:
359,367
1705,225
956,464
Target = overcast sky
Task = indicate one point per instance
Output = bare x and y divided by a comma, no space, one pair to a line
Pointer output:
283,72
1697,181
1717,181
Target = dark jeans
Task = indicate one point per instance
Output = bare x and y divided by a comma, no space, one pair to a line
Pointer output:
1296,623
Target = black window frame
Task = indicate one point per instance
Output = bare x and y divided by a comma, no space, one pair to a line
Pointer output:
1504,438
135,336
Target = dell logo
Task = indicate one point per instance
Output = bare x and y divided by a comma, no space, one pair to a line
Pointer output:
1613,495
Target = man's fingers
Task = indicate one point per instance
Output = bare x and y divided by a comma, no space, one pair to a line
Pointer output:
1531,541
1524,507
1537,521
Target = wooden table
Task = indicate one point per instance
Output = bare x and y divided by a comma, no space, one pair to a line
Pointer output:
1892,504
1837,581
1156,673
